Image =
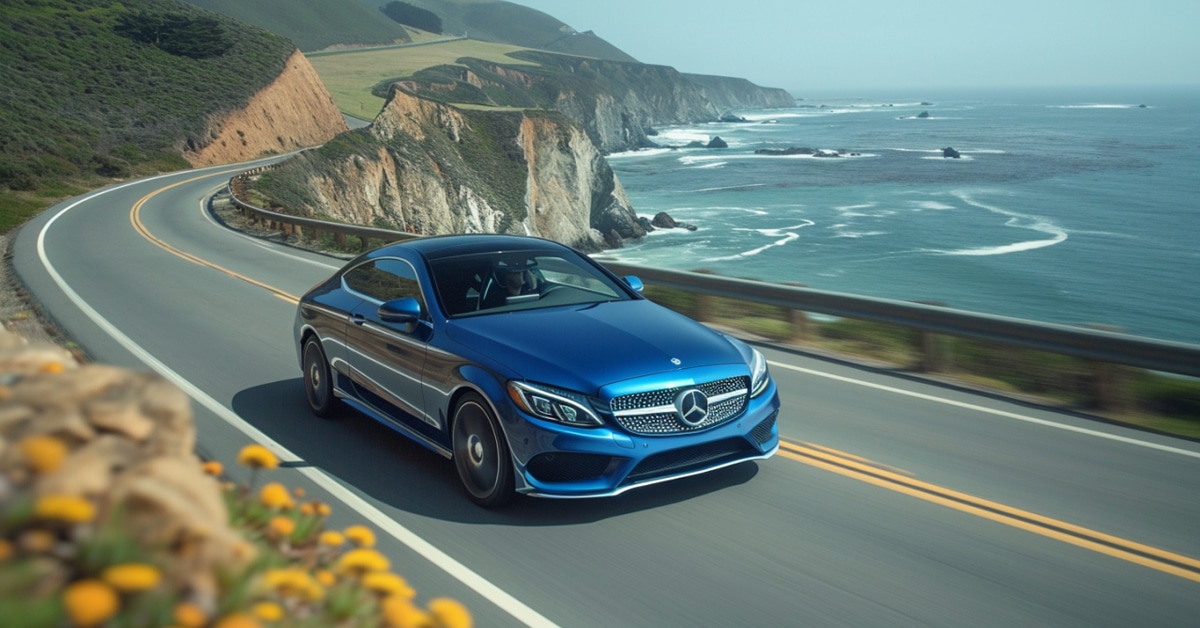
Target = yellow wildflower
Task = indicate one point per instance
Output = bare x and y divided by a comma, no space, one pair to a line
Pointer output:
388,584
274,495
67,508
360,561
6,549
268,611
36,541
280,527
298,492
361,536
90,602
323,509
399,612
332,538
44,453
326,577
213,467
257,457
450,613
189,615
307,509
237,620
131,577
293,583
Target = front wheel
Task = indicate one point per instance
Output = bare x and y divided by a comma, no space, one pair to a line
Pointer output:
481,453
318,382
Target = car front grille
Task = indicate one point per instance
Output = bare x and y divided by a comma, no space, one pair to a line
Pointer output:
654,414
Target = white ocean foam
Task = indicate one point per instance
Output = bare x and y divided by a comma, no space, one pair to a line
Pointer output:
961,157
1016,220
1096,106
640,152
784,235
715,164
932,205
748,186
859,234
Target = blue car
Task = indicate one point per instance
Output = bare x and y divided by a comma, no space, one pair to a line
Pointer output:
531,367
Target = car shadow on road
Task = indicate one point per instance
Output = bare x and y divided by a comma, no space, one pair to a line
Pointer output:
398,472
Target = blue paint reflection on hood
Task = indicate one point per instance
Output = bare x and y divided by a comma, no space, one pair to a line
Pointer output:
585,348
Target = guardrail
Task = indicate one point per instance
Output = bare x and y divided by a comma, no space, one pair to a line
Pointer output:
1105,347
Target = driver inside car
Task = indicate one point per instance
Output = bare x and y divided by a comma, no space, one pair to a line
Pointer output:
511,280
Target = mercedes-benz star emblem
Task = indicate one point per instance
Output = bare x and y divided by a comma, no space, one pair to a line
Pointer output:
692,406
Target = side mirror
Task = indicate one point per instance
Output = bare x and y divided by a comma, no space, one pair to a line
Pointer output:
404,311
634,283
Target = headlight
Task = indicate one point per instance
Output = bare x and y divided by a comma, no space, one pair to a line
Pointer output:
759,377
554,404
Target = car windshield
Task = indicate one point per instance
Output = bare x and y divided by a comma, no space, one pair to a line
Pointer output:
508,281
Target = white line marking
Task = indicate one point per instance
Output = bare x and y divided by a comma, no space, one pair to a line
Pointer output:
477,583
1010,415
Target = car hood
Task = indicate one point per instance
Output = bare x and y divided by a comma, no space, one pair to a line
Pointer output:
585,348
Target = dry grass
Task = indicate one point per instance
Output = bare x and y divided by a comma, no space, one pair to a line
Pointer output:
350,75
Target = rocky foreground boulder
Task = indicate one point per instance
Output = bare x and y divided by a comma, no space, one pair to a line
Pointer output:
117,442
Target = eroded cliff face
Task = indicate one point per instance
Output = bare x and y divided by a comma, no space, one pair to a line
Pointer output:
429,168
615,102
294,111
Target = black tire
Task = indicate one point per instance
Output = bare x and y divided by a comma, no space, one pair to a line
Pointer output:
318,380
481,453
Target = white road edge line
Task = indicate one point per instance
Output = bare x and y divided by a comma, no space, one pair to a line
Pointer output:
1003,413
474,581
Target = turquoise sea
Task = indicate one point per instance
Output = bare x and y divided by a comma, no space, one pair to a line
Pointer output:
1066,206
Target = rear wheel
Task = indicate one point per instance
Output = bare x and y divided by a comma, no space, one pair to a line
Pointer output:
481,454
318,380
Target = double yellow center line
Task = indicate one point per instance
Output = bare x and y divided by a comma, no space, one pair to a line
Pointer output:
135,218
864,471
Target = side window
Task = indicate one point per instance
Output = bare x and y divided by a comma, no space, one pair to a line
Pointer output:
385,280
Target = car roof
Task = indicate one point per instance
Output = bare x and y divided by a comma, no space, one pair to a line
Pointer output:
439,247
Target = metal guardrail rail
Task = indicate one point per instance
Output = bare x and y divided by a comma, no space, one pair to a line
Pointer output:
1090,344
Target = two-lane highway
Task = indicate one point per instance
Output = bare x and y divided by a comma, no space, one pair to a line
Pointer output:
893,501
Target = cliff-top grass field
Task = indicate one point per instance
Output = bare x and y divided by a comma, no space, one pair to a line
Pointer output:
349,76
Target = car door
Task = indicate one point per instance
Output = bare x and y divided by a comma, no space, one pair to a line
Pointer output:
386,359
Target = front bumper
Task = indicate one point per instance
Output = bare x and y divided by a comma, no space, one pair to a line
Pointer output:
559,461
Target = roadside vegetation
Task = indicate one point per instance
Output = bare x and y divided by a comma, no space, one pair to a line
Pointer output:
96,91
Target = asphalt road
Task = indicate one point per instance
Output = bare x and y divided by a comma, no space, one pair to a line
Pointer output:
893,502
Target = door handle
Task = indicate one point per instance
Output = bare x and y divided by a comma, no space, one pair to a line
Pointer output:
357,319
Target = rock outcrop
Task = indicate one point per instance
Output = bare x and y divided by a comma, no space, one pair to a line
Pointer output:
614,101
430,168
116,442
949,153
293,112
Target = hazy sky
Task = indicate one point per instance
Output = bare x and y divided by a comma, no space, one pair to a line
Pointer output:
822,45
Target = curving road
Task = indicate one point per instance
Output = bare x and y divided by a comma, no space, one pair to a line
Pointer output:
894,502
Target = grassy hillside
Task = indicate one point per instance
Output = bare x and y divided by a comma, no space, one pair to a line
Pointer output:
314,24
94,90
508,23
349,76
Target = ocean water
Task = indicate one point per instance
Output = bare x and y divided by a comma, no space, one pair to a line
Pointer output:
1073,207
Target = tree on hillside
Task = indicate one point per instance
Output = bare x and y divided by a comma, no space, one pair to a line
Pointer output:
180,35
416,17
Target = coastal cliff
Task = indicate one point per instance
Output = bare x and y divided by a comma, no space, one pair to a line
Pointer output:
615,102
293,112
426,167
